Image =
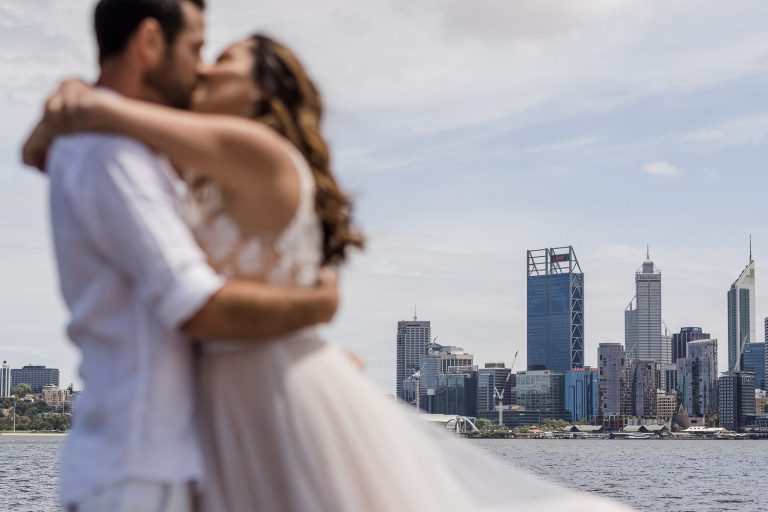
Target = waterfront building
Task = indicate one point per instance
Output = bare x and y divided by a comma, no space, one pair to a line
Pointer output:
56,397
614,392
5,380
666,405
413,339
493,381
697,378
555,309
542,391
736,405
642,318
513,417
680,341
761,405
753,360
443,384
36,377
644,385
582,397
741,312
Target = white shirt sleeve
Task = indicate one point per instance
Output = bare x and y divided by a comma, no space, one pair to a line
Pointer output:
130,212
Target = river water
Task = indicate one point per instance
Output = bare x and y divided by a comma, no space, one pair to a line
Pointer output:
675,476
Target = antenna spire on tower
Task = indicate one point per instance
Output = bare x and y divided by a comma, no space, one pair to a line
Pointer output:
647,252
750,247
414,314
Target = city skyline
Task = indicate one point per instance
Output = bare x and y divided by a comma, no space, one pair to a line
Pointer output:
478,135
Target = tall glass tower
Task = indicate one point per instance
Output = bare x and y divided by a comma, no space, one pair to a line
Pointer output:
642,318
555,310
741,313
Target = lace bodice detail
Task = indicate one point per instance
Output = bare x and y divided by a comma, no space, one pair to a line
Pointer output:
292,259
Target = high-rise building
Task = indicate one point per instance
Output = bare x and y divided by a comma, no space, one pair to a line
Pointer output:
680,341
736,405
614,393
741,313
642,318
5,380
644,385
413,339
666,348
542,391
493,381
555,310
753,360
444,387
582,386
697,378
36,377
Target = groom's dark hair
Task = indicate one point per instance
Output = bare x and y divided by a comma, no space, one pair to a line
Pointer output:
116,21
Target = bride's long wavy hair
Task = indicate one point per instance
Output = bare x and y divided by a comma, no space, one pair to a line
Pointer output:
291,105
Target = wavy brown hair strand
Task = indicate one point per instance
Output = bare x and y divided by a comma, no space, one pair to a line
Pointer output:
292,106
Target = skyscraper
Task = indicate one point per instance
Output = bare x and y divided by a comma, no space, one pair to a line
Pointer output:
644,384
680,341
753,360
582,397
413,339
5,380
494,380
736,404
555,310
697,378
542,391
741,312
642,318
614,393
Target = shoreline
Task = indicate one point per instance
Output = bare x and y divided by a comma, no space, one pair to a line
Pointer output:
22,433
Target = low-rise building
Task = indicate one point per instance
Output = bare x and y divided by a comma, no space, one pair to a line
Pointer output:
56,397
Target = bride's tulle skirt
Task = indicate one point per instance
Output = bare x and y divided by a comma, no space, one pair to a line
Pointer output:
294,426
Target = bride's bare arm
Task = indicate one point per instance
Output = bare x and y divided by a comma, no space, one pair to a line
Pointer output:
234,151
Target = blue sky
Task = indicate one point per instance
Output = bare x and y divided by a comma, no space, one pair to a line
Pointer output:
470,132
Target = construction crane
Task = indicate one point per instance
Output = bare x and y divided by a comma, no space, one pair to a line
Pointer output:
500,394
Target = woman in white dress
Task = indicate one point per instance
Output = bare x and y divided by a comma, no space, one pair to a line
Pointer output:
291,424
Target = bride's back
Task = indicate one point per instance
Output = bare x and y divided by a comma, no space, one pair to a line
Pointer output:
242,237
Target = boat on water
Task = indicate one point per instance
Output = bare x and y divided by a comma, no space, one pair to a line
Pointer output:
638,435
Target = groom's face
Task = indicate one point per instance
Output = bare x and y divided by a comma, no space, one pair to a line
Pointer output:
176,76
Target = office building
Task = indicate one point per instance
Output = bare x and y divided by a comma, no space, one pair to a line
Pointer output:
445,384
697,378
741,312
753,360
642,318
666,348
36,377
644,385
542,391
680,341
614,391
56,397
555,310
582,394
494,381
736,405
5,380
666,405
413,339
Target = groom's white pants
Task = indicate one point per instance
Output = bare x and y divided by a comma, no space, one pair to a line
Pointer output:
138,496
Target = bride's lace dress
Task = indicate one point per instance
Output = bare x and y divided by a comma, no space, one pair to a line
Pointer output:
291,425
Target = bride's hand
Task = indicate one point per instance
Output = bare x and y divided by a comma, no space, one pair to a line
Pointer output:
67,110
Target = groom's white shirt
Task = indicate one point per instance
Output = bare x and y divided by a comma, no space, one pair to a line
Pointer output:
131,273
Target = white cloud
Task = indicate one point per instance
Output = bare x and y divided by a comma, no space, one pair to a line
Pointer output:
661,168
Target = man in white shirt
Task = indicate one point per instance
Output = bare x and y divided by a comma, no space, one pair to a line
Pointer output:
137,285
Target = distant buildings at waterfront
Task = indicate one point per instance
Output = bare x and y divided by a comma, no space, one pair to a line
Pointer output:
654,377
